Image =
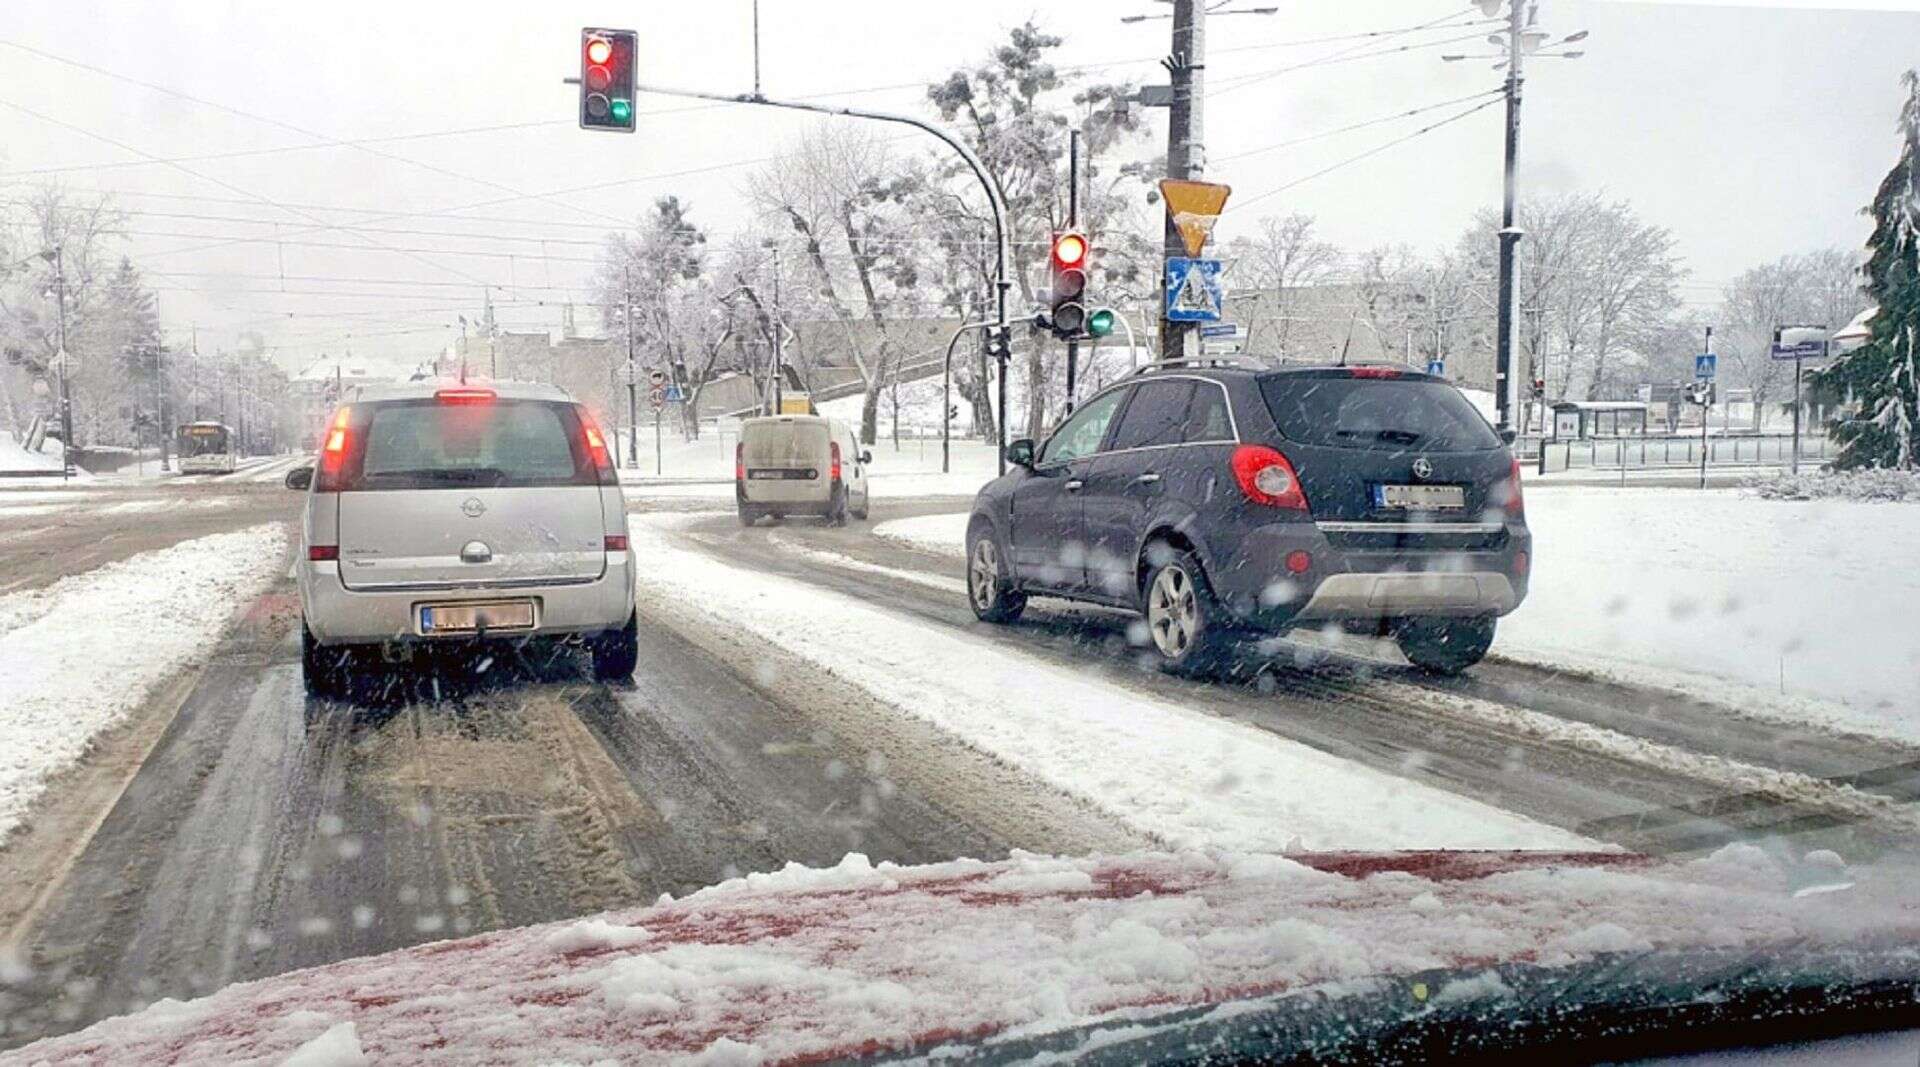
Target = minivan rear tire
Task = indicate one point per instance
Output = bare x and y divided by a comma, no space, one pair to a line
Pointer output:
1444,646
324,670
1187,626
617,652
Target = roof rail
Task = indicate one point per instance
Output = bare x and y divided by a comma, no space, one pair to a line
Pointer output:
1204,361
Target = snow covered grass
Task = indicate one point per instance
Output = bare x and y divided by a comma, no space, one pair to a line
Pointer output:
1181,776
79,655
1864,485
827,964
1791,610
699,471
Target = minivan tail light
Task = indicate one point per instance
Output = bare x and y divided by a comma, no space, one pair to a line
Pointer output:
596,444
616,542
333,453
1266,477
323,553
833,460
465,396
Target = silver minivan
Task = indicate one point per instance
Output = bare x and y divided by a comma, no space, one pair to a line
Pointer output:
442,512
799,465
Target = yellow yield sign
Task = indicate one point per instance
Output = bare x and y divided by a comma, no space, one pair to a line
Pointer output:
1194,207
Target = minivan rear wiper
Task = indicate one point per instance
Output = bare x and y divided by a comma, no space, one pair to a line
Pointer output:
456,475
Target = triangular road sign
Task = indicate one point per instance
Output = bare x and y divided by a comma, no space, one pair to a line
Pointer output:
1194,208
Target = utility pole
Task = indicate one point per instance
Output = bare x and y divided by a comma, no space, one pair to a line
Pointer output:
1509,235
632,374
1704,408
1073,223
779,336
1186,155
66,399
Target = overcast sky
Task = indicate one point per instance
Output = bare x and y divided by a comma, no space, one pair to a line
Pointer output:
1752,132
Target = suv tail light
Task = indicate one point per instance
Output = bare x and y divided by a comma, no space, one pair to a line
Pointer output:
1515,504
596,444
1266,477
1375,372
833,460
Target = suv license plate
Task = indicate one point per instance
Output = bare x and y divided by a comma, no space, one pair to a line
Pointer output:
472,618
1420,497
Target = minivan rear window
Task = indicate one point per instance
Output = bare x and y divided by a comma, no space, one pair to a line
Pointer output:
428,444
1386,414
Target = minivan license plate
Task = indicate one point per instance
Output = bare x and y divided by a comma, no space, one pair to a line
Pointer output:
472,618
1419,497
780,474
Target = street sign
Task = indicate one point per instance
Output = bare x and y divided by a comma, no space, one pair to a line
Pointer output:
657,396
656,377
1223,339
1437,367
1193,290
1801,350
1194,207
1705,365
676,395
1222,330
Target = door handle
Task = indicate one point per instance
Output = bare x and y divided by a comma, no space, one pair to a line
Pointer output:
1148,478
1074,484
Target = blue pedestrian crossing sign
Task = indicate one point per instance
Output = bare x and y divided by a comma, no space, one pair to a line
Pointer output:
1704,366
1437,367
675,395
1193,290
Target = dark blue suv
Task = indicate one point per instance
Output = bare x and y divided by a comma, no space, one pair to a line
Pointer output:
1221,501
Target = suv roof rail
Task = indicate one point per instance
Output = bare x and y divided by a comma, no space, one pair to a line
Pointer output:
1205,361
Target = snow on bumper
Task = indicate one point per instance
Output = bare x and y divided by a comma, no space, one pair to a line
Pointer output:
828,963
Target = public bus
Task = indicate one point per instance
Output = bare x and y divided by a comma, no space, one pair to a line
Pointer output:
207,448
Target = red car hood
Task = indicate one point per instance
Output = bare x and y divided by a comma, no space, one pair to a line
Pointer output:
815,964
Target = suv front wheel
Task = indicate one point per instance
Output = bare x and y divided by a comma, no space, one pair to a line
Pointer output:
1185,621
1444,646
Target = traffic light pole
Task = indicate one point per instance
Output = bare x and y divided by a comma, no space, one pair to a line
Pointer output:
66,399
632,375
1001,283
946,395
1509,236
1073,223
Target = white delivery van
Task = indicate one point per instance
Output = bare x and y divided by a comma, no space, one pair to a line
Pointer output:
799,465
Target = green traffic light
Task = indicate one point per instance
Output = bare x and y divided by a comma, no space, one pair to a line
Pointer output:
1100,323
622,110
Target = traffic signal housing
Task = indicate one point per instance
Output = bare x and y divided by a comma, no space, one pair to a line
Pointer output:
607,79
1066,310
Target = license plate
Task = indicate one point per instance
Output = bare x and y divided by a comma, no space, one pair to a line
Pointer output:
781,475
472,618
1420,497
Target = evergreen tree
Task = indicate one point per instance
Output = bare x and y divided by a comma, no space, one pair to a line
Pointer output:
1881,373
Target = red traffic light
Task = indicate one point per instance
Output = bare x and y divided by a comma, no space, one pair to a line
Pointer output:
599,50
1069,249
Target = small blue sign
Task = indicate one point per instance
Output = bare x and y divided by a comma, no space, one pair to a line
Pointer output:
1224,329
1801,350
1704,366
1437,367
675,395
1193,290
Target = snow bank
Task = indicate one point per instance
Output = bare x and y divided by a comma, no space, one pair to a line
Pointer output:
860,959
1788,609
942,535
77,656
15,458
1866,485
1185,777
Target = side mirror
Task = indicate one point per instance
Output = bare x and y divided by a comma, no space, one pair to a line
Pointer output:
1020,453
1509,435
300,478
866,456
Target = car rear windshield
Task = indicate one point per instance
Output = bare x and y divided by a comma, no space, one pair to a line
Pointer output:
429,444
1389,414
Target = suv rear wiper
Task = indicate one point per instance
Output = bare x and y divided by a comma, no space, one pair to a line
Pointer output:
1399,437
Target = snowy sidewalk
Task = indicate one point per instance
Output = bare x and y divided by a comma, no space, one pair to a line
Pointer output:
1187,778
78,656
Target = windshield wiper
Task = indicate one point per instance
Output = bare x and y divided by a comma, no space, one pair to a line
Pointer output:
1399,437
457,475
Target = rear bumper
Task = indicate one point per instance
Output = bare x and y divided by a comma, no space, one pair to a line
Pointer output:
338,615
790,497
1381,581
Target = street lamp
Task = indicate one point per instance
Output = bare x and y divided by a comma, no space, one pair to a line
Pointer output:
1216,9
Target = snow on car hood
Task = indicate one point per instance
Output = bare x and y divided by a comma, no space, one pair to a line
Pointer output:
863,958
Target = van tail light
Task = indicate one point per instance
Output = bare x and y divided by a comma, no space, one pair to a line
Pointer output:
739,462
323,553
596,445
333,453
1515,504
1266,477
616,542
833,460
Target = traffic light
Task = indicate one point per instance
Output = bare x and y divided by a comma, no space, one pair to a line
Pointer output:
1065,310
606,79
1000,344
1100,323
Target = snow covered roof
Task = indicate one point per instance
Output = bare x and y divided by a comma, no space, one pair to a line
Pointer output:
1856,332
826,964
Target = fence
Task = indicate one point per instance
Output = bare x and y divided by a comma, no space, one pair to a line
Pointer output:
1678,451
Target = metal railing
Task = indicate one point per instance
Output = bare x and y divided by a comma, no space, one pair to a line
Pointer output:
1678,451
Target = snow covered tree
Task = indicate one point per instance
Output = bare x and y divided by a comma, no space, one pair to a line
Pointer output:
1881,374
1285,255
1819,287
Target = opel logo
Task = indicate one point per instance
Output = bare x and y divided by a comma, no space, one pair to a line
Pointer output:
1422,469
473,507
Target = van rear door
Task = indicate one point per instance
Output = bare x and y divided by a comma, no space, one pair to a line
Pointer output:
786,459
467,489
